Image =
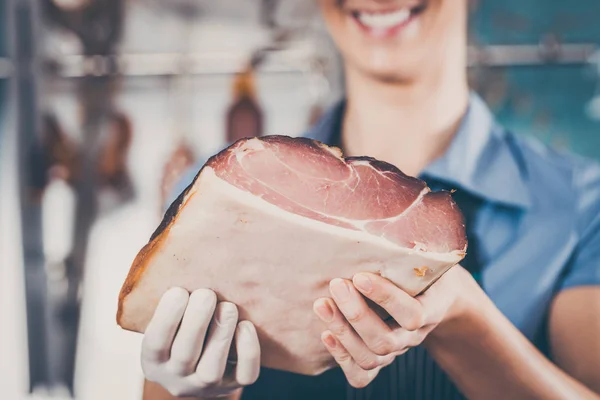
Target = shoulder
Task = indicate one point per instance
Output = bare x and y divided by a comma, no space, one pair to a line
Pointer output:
565,180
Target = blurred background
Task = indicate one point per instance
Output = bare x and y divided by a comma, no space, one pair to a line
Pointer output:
103,103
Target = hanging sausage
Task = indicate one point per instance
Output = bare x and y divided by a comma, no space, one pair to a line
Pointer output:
60,152
319,90
178,163
181,99
112,168
244,116
183,155
105,139
56,157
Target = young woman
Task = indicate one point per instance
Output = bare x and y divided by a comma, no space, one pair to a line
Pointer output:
519,319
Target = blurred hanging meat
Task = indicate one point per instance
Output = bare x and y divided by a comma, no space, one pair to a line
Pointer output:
105,139
61,151
179,161
245,116
319,90
97,23
182,157
181,91
316,112
56,157
112,158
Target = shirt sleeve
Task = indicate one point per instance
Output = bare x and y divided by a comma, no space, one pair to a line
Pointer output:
584,267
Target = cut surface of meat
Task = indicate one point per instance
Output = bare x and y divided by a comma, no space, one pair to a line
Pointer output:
268,222
311,179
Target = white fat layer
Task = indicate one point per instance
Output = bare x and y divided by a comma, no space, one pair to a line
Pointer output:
384,20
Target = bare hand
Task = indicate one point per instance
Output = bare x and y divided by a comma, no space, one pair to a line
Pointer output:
362,342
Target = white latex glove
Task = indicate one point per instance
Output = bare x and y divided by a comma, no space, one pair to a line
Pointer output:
183,362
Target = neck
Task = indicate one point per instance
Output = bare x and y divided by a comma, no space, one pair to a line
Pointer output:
406,124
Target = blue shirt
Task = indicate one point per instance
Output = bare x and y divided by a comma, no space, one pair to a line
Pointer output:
536,229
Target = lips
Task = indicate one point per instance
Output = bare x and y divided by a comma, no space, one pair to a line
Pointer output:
383,20
387,22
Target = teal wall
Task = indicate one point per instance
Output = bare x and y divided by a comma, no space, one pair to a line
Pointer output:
548,102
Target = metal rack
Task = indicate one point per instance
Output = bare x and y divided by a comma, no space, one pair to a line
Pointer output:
24,73
549,53
289,61
140,65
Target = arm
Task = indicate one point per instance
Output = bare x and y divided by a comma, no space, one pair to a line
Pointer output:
487,357
484,353
577,310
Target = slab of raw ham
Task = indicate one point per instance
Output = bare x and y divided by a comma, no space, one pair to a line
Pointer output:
268,222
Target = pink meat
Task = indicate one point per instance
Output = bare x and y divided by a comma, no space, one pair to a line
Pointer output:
307,178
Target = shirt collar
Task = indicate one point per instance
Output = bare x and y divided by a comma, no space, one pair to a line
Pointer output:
480,159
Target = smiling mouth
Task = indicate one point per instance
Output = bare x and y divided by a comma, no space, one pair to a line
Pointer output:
389,21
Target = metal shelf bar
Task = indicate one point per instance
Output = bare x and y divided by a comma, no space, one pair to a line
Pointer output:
168,64
532,55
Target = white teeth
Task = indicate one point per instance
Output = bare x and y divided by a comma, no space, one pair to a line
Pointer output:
384,20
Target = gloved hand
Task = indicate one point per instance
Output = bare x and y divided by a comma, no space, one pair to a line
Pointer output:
183,362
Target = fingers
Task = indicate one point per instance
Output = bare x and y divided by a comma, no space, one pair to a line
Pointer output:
248,354
213,361
354,344
188,343
406,310
356,376
370,327
188,340
156,345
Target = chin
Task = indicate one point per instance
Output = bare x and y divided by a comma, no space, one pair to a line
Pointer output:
395,40
388,75
394,66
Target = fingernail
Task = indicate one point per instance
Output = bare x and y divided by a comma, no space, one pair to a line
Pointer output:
373,373
324,310
203,296
177,293
226,312
329,341
363,282
246,329
339,288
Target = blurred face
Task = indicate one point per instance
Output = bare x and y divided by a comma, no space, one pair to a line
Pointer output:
397,40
